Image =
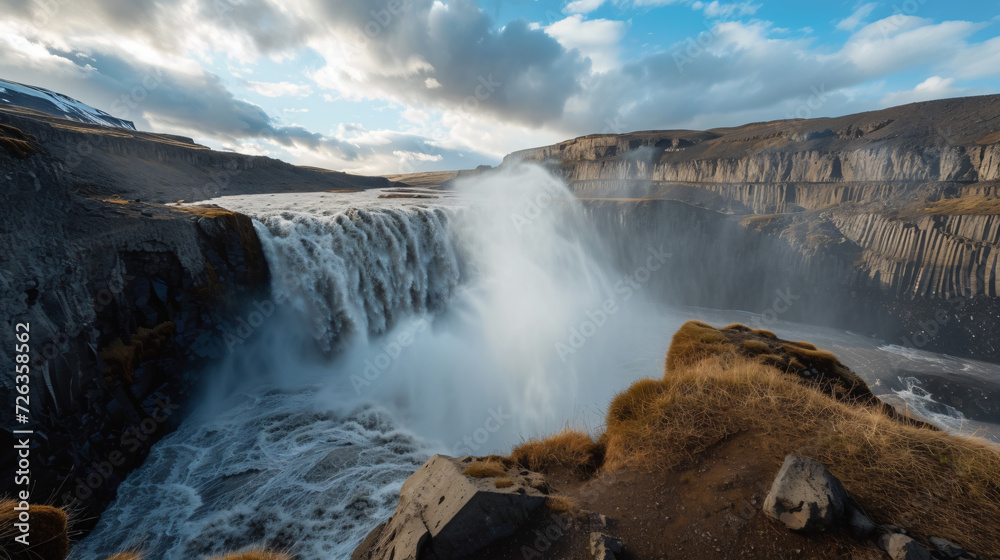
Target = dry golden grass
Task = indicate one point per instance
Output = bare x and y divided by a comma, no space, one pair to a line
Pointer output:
503,482
15,142
256,554
756,347
962,205
569,449
126,556
562,504
49,532
206,211
930,482
694,341
485,469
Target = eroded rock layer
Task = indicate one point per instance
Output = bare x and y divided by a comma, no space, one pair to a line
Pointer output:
885,221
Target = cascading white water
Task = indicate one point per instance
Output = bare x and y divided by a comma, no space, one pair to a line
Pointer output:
358,272
458,318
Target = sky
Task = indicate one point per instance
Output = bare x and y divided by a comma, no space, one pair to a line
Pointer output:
396,86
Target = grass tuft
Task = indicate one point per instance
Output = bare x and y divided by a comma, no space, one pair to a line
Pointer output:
562,504
569,449
503,482
485,469
15,142
49,532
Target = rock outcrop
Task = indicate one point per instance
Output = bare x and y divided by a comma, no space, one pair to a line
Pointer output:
449,509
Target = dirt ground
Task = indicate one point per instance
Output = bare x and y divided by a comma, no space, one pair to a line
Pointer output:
710,510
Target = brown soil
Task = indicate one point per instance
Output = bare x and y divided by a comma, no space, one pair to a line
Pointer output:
710,510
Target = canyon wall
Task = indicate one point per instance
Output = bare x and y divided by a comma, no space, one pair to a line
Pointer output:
889,218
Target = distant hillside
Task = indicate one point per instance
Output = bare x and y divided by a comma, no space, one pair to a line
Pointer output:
56,104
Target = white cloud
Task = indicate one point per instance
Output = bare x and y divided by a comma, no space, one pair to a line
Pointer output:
463,86
596,39
934,87
280,89
416,156
582,6
721,10
852,22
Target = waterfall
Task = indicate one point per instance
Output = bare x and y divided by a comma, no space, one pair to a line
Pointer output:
459,322
395,328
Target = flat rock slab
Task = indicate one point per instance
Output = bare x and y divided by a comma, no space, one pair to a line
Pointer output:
444,514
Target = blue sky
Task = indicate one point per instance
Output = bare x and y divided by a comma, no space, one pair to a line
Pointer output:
389,86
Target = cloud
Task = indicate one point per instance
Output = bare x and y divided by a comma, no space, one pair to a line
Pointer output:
596,39
852,22
582,6
516,72
280,89
721,10
934,87
460,85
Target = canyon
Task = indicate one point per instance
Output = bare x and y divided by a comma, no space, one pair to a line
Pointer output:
883,223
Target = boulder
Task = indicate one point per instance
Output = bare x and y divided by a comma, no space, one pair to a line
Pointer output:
805,496
603,547
445,514
902,547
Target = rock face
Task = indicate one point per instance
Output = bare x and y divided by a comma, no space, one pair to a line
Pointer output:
805,496
445,514
893,211
127,300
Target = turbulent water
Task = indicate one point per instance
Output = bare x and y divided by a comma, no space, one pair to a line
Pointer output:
407,323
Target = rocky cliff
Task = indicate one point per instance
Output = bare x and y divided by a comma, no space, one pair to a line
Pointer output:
895,210
126,300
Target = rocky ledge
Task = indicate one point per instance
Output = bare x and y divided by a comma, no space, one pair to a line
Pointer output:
749,447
